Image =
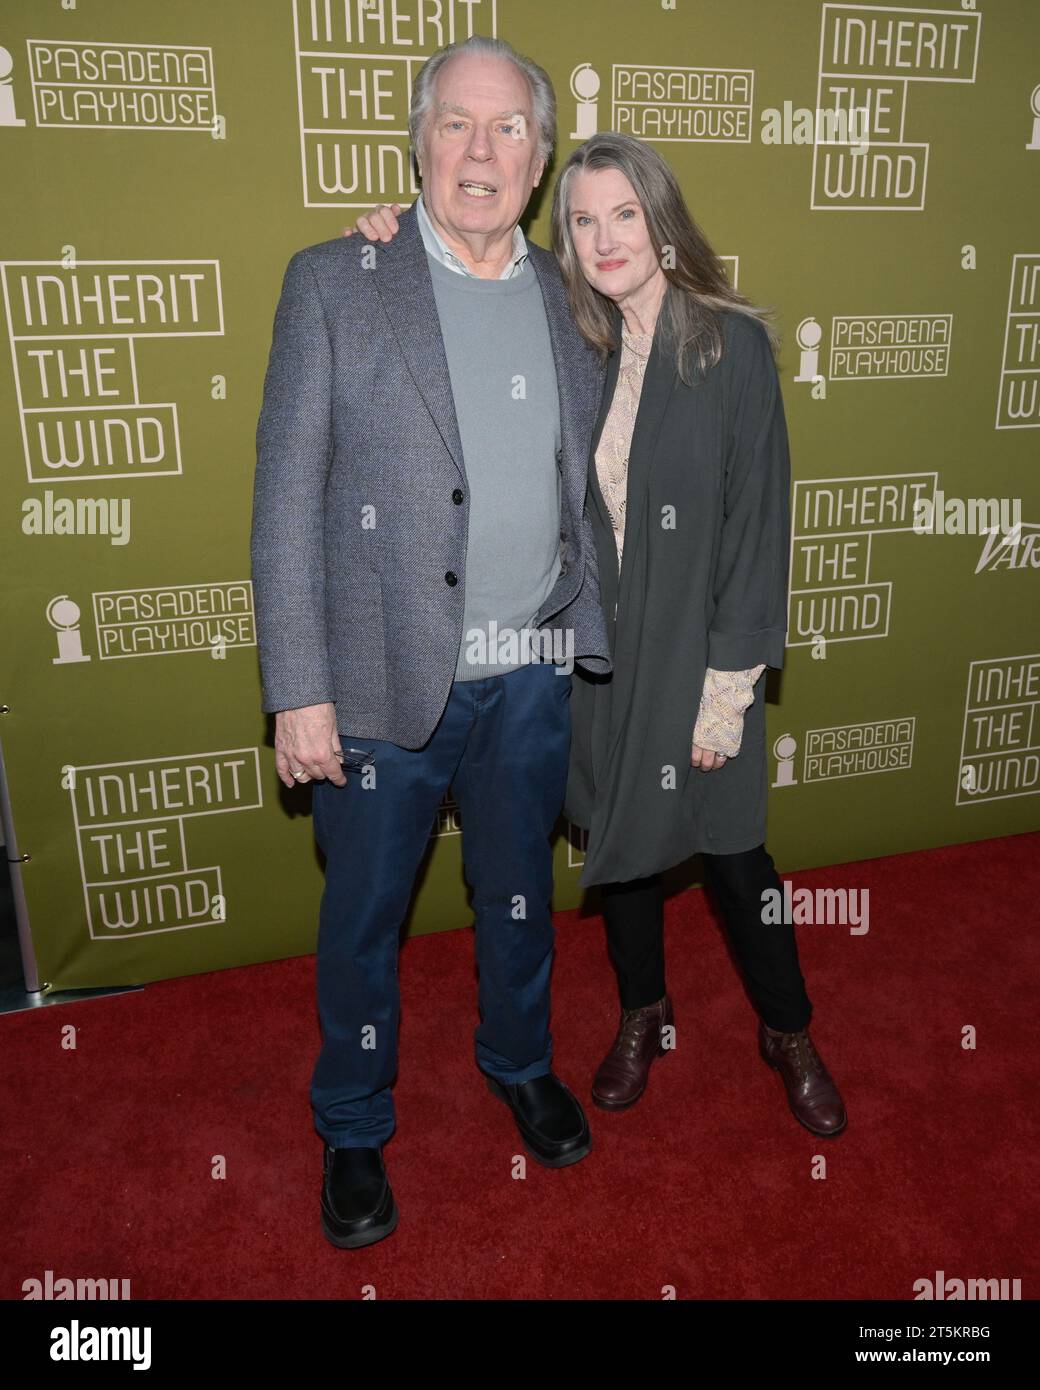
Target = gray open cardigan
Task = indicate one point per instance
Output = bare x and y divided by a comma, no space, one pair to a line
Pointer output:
703,583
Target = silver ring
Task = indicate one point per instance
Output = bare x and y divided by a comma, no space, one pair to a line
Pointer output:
301,773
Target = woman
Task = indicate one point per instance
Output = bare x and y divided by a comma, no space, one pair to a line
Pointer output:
689,502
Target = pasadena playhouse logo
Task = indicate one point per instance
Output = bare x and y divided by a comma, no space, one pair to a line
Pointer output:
847,750
667,103
1000,741
98,85
833,524
869,56
876,347
168,621
355,63
131,820
74,329
174,619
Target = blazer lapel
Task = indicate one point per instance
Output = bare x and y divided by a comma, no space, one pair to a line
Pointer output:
557,316
402,277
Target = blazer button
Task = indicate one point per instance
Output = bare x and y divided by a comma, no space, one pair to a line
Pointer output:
451,578
456,496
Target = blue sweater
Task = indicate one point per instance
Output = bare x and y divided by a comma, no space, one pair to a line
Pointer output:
503,381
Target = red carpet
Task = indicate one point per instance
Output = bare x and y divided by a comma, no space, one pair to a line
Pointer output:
706,1185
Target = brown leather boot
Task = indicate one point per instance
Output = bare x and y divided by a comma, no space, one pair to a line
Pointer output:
811,1093
622,1075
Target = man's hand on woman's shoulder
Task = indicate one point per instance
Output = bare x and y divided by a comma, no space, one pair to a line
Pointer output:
380,224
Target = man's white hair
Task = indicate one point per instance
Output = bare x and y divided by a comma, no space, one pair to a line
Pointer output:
543,97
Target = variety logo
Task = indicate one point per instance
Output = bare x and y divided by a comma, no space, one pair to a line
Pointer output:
1017,548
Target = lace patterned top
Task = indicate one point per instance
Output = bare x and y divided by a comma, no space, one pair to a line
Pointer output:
726,694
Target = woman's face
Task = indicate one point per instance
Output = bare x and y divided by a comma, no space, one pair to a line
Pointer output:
610,235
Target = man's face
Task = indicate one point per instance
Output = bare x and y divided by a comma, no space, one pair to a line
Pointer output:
480,160
610,235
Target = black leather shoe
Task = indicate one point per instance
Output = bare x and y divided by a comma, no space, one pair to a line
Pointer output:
357,1206
551,1122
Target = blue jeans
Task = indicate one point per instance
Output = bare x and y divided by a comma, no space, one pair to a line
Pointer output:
502,744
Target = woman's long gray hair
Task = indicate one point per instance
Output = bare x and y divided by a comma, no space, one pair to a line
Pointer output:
697,282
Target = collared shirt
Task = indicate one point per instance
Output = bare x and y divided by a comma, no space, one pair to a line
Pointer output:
439,249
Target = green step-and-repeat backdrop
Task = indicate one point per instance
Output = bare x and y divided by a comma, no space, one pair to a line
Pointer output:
870,171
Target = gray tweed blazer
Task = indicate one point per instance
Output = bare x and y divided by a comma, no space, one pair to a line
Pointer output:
360,500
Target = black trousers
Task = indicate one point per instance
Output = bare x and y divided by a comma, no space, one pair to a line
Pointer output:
766,952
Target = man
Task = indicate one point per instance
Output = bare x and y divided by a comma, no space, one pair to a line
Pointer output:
420,491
